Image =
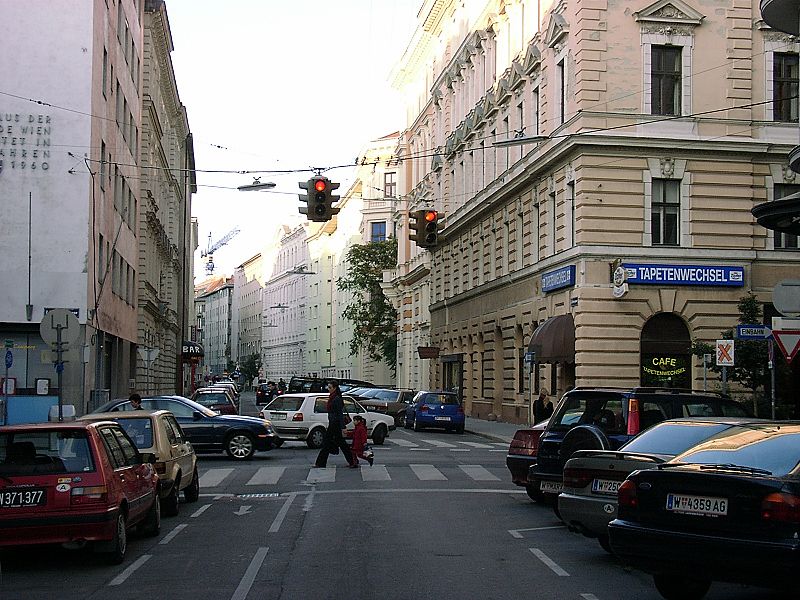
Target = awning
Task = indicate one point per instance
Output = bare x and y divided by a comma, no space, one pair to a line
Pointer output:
554,340
191,350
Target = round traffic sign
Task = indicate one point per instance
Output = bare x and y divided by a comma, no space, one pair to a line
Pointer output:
786,297
9,359
63,320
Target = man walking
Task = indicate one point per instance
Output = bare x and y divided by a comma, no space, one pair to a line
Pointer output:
542,407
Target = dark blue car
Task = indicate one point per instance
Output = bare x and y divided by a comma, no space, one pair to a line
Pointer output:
435,409
209,431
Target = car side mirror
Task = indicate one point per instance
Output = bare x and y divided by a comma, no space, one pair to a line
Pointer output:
196,416
148,458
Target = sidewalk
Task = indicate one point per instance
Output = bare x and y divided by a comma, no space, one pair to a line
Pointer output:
493,430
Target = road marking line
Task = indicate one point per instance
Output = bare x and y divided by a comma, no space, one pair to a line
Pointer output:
266,476
309,502
120,579
477,445
276,524
200,510
250,575
439,443
516,532
589,597
428,473
500,444
420,449
376,473
402,442
498,451
213,477
478,473
549,562
326,475
168,538
460,450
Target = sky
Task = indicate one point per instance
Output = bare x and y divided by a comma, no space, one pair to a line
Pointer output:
281,85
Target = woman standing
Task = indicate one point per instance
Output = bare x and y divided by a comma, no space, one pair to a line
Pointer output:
334,434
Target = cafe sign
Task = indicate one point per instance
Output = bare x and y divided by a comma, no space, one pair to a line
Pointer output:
665,369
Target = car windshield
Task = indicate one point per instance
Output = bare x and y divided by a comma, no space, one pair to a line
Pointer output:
589,408
212,398
139,430
773,448
440,399
673,438
45,452
387,395
285,403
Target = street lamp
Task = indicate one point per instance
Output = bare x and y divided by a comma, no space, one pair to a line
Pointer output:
256,185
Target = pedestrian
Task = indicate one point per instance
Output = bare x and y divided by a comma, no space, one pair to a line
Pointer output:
334,434
542,407
136,401
281,385
360,449
272,391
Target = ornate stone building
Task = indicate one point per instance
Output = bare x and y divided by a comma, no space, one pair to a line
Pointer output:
596,164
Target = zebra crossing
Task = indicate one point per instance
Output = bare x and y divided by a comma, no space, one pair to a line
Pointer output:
267,476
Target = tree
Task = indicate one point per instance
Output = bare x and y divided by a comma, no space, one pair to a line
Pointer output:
372,314
249,368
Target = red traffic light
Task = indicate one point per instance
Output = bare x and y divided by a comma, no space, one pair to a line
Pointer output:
320,185
430,215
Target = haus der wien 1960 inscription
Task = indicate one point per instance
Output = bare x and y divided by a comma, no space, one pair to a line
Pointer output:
24,142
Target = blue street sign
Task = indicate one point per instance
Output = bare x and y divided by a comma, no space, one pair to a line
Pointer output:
9,359
59,367
753,332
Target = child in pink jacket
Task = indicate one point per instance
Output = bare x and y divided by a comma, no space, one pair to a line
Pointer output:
360,440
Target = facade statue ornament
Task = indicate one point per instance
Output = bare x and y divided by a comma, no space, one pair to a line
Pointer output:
667,167
789,176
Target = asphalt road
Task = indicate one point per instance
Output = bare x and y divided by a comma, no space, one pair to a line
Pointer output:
436,517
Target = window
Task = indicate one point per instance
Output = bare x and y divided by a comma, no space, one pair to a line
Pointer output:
665,80
666,212
390,185
102,164
785,241
105,70
377,231
535,112
785,87
562,91
101,264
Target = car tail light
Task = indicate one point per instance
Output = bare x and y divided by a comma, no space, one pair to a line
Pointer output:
423,408
579,478
633,416
627,495
525,442
297,416
781,507
89,495
161,468
460,410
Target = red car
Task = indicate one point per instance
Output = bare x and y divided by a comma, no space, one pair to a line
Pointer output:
217,399
74,484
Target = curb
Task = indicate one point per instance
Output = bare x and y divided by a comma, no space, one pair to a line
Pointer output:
488,436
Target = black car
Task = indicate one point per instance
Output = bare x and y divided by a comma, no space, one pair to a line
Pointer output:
725,510
207,430
591,418
320,384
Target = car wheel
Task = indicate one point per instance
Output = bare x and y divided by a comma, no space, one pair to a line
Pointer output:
407,423
673,586
277,443
379,435
582,437
534,493
417,426
119,543
316,438
240,446
192,492
152,524
170,505
603,539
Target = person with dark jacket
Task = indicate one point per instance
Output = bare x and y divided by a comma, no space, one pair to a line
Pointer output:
542,407
334,434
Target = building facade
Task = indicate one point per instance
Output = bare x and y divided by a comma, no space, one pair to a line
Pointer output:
620,231
216,326
247,307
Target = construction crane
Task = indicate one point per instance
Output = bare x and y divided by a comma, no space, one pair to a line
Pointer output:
209,252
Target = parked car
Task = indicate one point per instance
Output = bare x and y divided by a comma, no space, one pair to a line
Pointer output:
726,510
522,454
592,477
262,394
320,384
591,418
304,417
229,385
388,402
208,431
435,409
75,483
159,433
217,399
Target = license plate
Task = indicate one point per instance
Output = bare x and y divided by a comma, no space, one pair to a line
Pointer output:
21,498
442,418
552,487
705,506
605,486
278,417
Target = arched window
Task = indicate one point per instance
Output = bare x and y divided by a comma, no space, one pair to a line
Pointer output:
666,355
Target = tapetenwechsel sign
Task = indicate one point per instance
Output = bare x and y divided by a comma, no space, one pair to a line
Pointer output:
705,275
560,278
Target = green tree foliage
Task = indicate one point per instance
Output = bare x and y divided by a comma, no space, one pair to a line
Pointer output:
372,314
249,368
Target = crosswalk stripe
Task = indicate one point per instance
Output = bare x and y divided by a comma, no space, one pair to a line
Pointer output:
478,473
402,442
326,475
375,473
501,444
213,477
428,473
266,476
439,444
476,444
